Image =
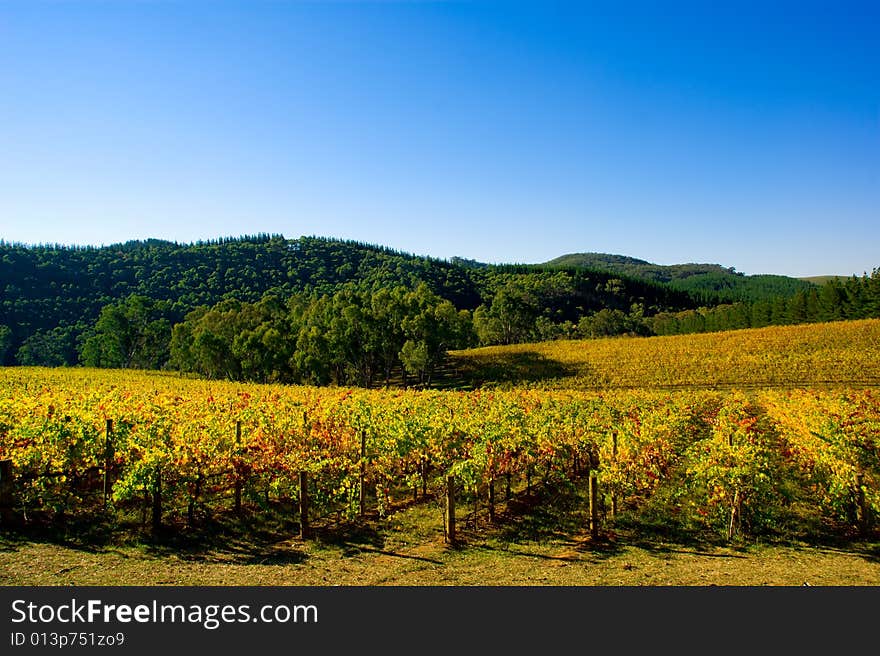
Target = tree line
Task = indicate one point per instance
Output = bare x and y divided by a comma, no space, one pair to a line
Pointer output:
353,336
399,334
315,310
52,297
710,284
837,299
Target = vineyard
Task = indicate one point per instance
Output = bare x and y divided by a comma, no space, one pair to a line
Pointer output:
813,355
158,450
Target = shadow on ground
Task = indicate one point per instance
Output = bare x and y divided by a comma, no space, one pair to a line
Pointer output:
250,538
558,516
520,367
552,514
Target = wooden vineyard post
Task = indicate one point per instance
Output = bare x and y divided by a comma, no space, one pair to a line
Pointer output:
450,510
362,480
492,501
424,470
594,506
108,455
238,484
7,490
734,515
864,512
157,501
614,460
507,486
304,531
194,499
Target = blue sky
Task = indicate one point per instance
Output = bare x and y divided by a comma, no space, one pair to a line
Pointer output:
746,135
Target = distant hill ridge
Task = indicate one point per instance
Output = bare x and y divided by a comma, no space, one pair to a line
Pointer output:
637,267
709,282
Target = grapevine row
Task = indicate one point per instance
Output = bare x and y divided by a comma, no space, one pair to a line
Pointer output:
729,461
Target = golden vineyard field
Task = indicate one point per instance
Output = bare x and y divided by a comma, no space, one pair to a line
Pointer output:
728,461
781,356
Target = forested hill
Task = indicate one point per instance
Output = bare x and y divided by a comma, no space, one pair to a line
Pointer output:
51,296
709,283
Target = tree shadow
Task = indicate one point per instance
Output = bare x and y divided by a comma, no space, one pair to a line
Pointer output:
260,537
553,512
558,514
359,549
505,367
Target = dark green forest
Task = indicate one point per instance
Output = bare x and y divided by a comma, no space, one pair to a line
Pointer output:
320,311
710,284
58,302
835,300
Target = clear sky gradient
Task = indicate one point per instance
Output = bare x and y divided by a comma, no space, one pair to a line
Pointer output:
746,134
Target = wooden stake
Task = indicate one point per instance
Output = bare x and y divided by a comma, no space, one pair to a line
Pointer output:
492,501
450,509
304,531
238,482
614,459
476,513
191,507
363,475
864,511
108,455
157,501
734,516
594,507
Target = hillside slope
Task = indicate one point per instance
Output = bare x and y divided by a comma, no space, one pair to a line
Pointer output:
709,282
51,295
843,352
